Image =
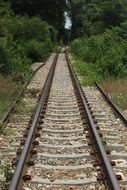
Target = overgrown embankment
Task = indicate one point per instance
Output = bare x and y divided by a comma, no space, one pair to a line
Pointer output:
23,41
100,44
104,58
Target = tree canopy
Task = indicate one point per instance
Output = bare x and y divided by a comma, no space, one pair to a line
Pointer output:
52,11
25,37
91,17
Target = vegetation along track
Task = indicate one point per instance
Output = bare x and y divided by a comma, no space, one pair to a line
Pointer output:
14,123
64,148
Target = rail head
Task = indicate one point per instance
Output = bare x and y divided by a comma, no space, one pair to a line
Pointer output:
17,179
10,110
111,180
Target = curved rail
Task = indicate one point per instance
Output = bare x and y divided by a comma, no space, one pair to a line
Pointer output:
117,112
111,180
10,110
17,180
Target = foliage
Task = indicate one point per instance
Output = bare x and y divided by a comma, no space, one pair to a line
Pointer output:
35,36
7,170
105,52
19,63
34,50
25,40
88,73
37,51
50,11
4,8
94,16
13,59
4,63
8,90
25,28
2,128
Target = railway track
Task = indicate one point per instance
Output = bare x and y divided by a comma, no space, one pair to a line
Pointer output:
18,117
65,146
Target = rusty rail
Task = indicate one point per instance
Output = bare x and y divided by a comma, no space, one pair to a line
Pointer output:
115,109
20,172
21,93
17,179
110,178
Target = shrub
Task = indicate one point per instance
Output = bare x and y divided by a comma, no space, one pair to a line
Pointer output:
3,60
13,60
34,50
25,28
27,40
106,52
38,51
88,73
8,92
18,61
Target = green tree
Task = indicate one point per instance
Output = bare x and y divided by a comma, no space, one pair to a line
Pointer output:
94,16
52,11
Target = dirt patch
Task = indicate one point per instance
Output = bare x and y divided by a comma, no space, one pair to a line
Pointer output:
8,91
117,90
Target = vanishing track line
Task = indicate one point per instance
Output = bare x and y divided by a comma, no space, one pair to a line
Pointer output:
64,149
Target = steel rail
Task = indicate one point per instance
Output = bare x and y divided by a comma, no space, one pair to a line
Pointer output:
21,93
17,180
115,109
110,178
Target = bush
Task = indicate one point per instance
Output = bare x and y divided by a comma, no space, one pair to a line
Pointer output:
13,60
18,61
34,50
8,92
27,40
3,60
23,27
106,52
88,73
38,51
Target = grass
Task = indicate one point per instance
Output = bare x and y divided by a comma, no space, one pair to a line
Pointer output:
22,109
8,92
117,90
7,170
3,128
87,73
